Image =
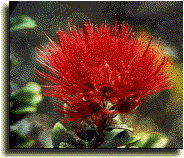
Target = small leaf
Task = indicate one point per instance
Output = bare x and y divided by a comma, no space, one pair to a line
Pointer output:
88,135
133,139
29,90
36,99
133,147
157,140
115,138
119,126
141,142
66,145
150,140
30,95
25,110
113,133
117,120
81,143
161,143
21,22
87,132
60,134
122,146
108,105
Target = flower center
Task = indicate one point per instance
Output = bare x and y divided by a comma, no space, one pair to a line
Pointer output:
94,107
89,85
125,105
107,92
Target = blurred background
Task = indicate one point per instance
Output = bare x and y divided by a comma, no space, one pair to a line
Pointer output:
162,112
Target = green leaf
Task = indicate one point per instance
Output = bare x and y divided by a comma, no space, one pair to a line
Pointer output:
119,126
112,133
161,143
24,110
36,99
81,143
108,105
30,95
150,140
122,146
117,120
157,140
133,147
141,142
87,132
66,145
131,141
29,90
116,138
19,104
60,134
21,22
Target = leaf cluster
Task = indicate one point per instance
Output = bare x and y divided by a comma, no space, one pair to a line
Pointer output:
114,136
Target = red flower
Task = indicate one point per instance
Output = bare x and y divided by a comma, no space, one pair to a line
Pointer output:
96,64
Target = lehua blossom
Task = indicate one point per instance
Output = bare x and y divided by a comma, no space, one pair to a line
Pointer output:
96,64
